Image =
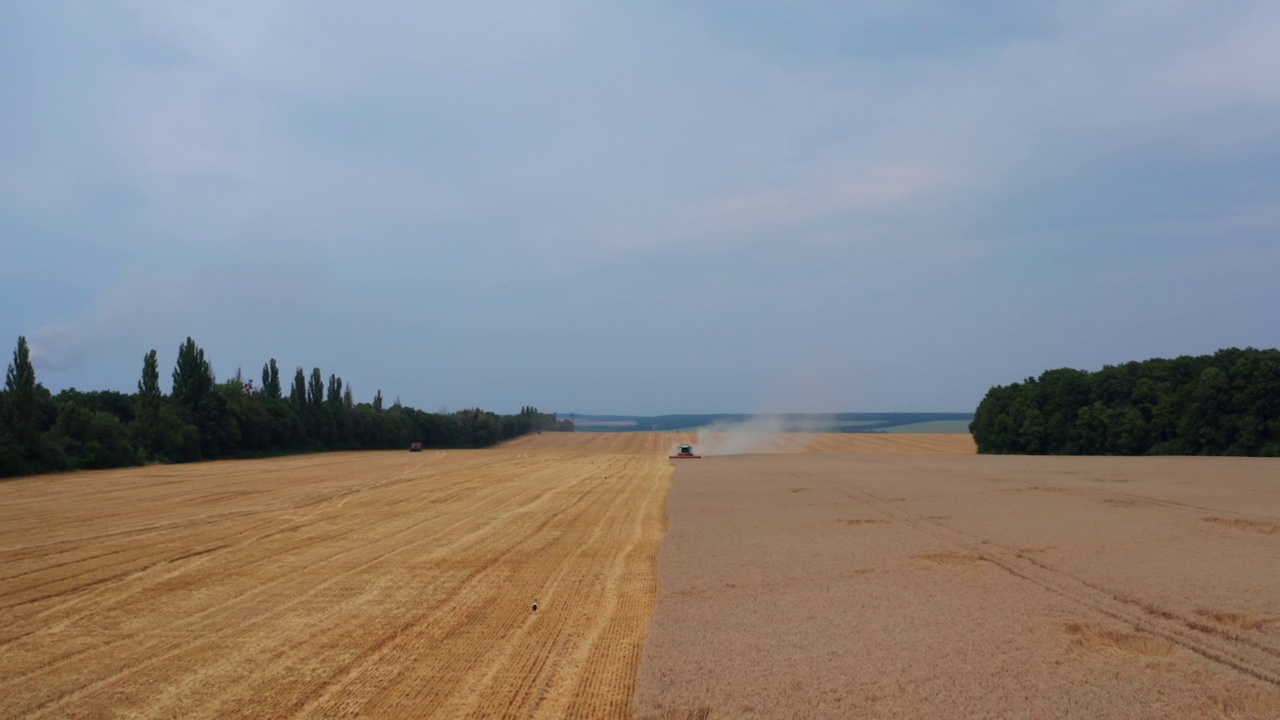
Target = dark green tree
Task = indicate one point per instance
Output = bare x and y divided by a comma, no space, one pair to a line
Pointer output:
202,419
20,391
318,422
298,393
334,394
93,440
10,454
271,389
1226,403
315,389
341,411
149,403
201,405
193,379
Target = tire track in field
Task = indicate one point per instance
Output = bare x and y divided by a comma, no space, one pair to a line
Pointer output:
534,647
1174,505
1090,491
205,517
188,526
565,683
488,532
592,698
1244,655
292,650
140,565
458,607
482,677
261,589
104,574
544,585
538,686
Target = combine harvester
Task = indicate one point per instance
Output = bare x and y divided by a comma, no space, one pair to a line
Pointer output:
684,453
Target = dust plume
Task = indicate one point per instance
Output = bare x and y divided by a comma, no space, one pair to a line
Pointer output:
760,433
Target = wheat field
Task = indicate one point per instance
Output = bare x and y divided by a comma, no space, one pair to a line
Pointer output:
827,585
822,576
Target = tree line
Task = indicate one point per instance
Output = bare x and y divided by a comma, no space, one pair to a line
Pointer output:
1227,403
203,419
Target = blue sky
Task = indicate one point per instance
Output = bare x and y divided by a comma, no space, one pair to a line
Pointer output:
624,208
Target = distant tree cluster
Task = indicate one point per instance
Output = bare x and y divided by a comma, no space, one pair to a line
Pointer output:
1227,403
203,419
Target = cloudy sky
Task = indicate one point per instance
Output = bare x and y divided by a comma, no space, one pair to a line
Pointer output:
639,207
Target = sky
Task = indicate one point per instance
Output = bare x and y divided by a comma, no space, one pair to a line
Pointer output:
638,208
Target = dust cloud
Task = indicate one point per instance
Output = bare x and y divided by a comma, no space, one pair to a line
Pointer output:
759,434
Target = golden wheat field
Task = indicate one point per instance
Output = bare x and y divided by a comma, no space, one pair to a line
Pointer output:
382,584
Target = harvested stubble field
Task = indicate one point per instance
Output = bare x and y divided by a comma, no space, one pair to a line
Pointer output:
388,584
846,585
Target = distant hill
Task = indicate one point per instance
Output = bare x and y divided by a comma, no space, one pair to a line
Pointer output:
955,423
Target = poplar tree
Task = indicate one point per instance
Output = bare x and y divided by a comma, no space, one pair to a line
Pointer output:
201,405
149,401
193,379
298,393
20,386
271,389
315,390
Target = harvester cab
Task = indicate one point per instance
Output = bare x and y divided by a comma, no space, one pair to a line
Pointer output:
685,452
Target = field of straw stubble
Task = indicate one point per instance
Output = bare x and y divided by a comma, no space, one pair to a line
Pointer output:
837,576
389,584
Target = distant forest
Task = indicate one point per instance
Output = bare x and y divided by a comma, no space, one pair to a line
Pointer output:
850,422
1227,403
203,419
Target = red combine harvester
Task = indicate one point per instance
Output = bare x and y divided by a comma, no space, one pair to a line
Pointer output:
684,453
